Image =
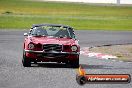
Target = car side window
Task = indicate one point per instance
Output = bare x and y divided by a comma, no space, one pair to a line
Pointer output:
72,33
30,31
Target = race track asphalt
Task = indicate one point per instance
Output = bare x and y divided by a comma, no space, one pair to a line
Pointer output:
14,75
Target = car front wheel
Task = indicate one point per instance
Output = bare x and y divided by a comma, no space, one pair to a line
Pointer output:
26,61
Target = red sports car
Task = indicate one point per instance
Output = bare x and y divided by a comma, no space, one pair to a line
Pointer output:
51,43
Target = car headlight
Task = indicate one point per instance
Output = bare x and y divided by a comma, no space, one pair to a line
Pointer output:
74,48
31,46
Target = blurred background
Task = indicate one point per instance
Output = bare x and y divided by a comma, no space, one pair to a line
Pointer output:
95,15
99,1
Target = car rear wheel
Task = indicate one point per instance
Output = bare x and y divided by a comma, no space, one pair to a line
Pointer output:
26,61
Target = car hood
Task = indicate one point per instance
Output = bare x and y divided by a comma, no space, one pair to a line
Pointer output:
52,40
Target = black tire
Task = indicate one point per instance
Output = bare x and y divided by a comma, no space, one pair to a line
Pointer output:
26,61
75,64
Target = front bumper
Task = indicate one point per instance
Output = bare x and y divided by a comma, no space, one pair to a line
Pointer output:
52,56
42,52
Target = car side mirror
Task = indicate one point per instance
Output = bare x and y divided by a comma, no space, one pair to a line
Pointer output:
25,34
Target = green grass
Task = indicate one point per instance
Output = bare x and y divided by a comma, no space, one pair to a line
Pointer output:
20,14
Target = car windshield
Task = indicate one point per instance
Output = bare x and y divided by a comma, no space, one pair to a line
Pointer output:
55,31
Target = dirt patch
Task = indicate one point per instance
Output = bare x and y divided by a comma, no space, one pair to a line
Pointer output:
123,52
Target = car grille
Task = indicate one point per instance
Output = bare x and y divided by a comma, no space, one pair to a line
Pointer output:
52,47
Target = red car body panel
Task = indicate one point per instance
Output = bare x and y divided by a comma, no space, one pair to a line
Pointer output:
37,53
48,40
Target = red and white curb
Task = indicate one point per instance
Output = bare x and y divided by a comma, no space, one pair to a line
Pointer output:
85,51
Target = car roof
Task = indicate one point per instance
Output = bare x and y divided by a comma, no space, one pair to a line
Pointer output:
39,25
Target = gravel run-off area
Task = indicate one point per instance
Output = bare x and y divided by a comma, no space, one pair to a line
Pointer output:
123,52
